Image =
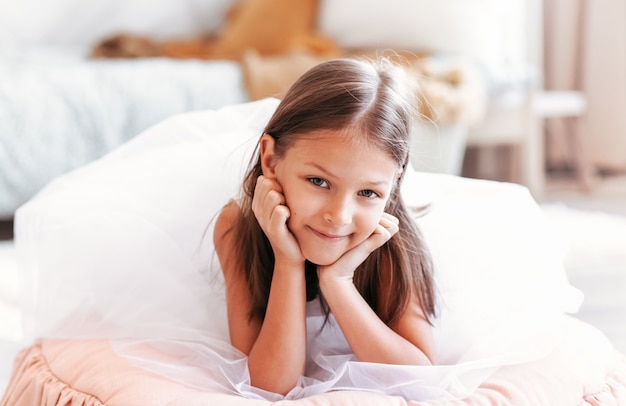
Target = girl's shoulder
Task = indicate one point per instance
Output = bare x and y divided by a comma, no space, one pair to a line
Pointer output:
223,237
226,218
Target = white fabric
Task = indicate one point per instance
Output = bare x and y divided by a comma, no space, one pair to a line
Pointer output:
489,31
498,261
122,248
10,339
36,23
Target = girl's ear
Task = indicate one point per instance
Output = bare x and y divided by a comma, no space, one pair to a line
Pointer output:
268,155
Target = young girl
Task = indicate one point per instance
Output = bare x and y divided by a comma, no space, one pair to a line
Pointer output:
321,220
328,284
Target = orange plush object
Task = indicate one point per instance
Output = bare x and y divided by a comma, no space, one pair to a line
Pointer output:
269,27
272,27
126,46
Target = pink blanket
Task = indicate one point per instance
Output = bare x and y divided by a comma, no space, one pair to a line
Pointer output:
584,370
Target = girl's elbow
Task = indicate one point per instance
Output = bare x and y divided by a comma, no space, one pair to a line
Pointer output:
278,384
276,378
432,359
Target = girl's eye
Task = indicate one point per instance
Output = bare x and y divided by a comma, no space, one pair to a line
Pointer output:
318,182
370,194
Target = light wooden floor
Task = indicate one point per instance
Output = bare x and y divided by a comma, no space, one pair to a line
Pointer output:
602,279
608,194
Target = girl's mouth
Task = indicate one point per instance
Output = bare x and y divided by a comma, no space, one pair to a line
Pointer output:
328,237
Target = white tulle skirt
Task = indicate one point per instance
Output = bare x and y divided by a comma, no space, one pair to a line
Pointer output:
122,249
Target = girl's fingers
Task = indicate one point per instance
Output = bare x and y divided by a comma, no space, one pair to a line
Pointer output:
347,264
267,196
278,217
383,232
380,236
388,219
388,223
269,207
386,228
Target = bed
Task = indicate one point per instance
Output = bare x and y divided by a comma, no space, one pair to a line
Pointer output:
86,108
479,232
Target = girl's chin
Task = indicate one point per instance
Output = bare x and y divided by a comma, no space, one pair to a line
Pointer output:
323,260
322,263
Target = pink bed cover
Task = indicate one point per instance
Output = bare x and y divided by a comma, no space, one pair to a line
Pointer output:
89,373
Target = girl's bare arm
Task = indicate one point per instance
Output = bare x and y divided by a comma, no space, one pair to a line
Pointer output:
276,346
409,341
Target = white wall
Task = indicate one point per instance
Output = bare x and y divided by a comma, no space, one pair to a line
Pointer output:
81,23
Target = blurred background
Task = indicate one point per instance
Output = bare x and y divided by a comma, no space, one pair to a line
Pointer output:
525,91
535,90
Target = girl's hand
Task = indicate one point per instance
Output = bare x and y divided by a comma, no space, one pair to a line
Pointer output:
271,212
344,267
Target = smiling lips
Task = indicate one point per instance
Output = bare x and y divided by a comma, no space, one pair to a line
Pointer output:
328,237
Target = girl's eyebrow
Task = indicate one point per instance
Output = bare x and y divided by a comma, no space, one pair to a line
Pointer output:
332,175
322,169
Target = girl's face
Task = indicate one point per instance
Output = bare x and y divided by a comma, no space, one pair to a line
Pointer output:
336,189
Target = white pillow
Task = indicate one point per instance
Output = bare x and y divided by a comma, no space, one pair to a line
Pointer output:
490,31
498,265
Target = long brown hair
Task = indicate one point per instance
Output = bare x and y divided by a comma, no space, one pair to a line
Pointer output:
375,98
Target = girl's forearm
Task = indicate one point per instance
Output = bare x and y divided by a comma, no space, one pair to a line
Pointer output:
278,356
369,337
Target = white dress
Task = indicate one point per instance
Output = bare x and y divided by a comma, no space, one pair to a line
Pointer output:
122,249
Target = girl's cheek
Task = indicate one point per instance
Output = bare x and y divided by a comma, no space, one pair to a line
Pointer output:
375,220
369,227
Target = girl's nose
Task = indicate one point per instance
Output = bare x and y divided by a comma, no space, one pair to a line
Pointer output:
339,212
